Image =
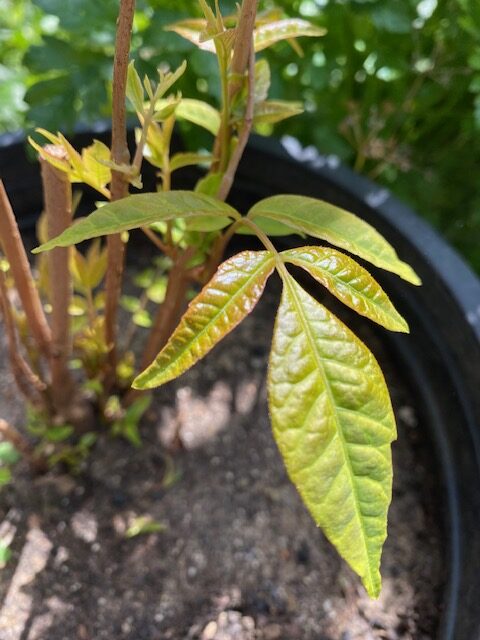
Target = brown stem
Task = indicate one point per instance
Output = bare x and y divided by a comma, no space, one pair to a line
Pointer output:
232,167
23,446
14,250
57,193
171,309
28,383
241,50
167,317
119,184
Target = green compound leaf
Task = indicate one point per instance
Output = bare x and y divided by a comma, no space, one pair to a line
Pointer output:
337,226
333,422
231,294
349,282
141,210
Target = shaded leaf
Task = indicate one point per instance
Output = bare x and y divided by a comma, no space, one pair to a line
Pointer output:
333,422
337,226
223,303
135,91
187,159
141,210
272,111
349,282
209,184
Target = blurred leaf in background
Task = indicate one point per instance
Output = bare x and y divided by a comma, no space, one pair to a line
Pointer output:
393,89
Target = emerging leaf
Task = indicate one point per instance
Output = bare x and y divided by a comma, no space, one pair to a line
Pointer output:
262,81
231,294
135,91
141,210
337,226
349,282
333,422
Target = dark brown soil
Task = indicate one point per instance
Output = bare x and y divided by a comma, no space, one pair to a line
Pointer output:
238,557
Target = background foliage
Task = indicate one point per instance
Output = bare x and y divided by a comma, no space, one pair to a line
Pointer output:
393,88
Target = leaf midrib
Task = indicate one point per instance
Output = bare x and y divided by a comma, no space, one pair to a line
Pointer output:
215,317
317,357
337,280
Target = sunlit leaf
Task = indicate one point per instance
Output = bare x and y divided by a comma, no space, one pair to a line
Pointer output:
165,108
141,210
337,226
167,80
231,294
262,81
192,30
333,422
267,34
349,282
198,112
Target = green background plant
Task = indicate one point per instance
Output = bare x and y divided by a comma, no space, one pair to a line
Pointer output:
392,89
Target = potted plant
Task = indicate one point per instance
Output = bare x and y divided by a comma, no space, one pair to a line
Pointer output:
325,388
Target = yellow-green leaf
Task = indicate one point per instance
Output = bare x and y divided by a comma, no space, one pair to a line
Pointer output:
349,282
141,210
200,113
272,111
135,91
333,422
337,226
187,159
231,294
262,81
267,34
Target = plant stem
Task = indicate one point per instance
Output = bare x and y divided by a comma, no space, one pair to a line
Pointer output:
14,250
170,311
28,383
232,76
168,315
119,184
232,167
23,446
57,192
241,50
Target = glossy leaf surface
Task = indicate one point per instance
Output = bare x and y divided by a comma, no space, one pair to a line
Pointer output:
267,34
349,282
231,294
339,227
141,210
333,422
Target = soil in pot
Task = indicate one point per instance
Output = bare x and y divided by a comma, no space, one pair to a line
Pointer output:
238,556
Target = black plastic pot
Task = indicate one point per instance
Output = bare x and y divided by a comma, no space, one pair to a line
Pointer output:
441,356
